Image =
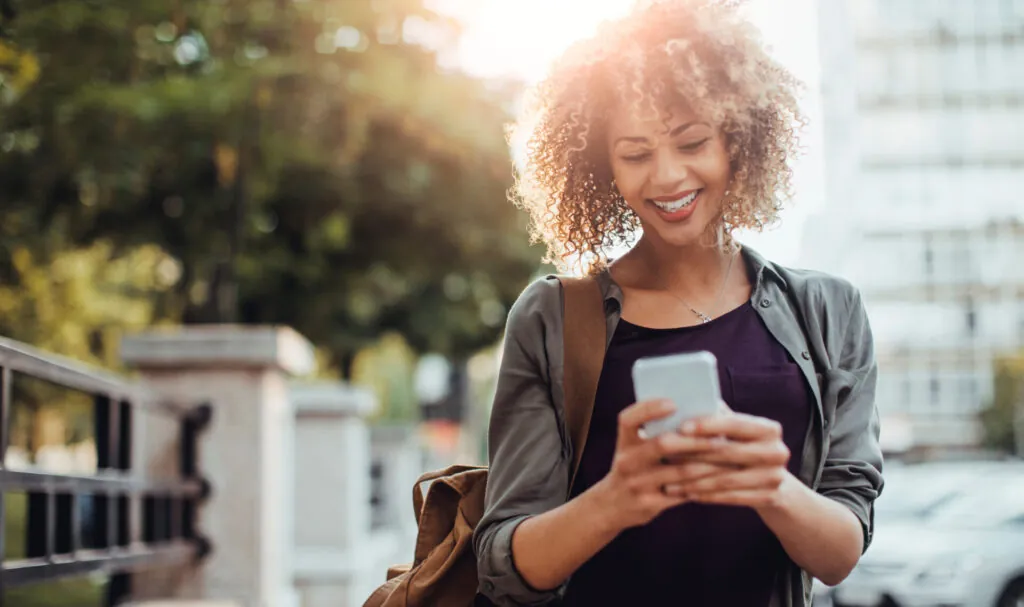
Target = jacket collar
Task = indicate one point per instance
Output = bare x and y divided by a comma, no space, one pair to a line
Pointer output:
761,267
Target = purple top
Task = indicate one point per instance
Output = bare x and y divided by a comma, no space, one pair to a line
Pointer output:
694,554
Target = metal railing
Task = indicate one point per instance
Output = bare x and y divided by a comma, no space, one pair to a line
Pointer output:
133,521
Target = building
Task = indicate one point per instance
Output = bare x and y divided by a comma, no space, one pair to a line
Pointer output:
923,119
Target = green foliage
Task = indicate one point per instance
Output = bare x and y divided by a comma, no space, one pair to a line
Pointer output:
18,70
387,368
81,301
302,163
1007,406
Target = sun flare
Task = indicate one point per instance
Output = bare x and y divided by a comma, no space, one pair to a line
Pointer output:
521,37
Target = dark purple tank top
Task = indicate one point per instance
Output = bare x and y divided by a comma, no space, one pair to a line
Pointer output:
694,554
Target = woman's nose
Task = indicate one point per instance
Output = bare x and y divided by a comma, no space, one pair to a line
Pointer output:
669,173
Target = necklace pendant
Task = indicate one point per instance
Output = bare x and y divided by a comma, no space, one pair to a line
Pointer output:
704,317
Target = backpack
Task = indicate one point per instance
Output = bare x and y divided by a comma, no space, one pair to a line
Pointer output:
443,571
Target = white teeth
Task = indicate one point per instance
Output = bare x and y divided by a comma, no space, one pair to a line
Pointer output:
675,205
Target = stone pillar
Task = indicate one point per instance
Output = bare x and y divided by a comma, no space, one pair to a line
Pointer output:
246,454
332,494
397,449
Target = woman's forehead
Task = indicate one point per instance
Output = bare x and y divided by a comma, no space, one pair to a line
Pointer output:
627,121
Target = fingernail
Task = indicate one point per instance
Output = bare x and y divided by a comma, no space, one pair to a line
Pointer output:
688,427
667,406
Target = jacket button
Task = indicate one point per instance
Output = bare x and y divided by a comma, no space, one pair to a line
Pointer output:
805,355
766,302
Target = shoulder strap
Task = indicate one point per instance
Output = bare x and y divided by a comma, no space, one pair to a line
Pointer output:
585,340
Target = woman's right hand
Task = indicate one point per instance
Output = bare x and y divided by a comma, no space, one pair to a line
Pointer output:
629,495
633,491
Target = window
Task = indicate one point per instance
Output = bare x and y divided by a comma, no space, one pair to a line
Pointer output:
1020,329
971,318
889,395
967,394
962,79
1007,11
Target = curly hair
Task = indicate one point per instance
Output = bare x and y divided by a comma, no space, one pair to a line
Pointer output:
700,53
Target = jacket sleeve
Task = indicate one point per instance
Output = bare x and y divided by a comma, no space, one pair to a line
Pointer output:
529,463
852,473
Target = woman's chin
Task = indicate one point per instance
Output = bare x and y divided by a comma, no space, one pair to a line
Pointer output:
677,235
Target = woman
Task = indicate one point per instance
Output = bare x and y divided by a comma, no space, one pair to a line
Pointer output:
674,124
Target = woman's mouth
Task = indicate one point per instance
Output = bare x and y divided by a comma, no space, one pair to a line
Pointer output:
676,208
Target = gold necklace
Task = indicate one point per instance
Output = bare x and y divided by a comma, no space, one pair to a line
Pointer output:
718,300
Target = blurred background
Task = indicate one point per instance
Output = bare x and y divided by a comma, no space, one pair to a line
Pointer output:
180,181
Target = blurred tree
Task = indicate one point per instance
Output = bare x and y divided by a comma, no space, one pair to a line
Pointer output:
306,163
1003,420
78,304
387,368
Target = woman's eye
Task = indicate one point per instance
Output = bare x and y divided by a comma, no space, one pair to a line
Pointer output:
689,147
637,157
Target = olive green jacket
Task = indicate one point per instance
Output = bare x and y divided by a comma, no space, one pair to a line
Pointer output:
819,319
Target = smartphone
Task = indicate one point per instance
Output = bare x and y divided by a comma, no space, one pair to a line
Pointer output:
689,380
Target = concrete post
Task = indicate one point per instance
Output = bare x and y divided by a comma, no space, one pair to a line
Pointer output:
333,565
397,449
246,453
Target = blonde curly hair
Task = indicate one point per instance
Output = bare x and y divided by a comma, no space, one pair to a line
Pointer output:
700,53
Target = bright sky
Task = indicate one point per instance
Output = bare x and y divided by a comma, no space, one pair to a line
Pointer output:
520,38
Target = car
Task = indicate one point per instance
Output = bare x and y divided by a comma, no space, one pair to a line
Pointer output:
966,549
821,595
914,492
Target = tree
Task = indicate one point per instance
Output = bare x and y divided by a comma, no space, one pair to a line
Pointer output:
304,163
1003,420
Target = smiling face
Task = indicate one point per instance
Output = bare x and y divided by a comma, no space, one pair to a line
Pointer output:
673,173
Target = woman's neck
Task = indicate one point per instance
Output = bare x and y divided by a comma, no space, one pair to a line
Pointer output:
696,269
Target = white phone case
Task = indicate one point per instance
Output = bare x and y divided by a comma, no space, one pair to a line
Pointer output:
689,380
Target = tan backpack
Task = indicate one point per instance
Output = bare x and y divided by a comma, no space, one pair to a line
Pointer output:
443,571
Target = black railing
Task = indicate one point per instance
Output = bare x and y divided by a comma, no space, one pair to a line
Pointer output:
115,520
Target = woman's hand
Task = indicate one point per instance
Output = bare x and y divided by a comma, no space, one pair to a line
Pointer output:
821,535
748,461
635,490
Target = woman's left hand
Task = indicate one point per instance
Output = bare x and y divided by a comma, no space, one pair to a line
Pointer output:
748,468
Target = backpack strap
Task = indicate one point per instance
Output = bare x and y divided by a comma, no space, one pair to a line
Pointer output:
429,477
585,341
